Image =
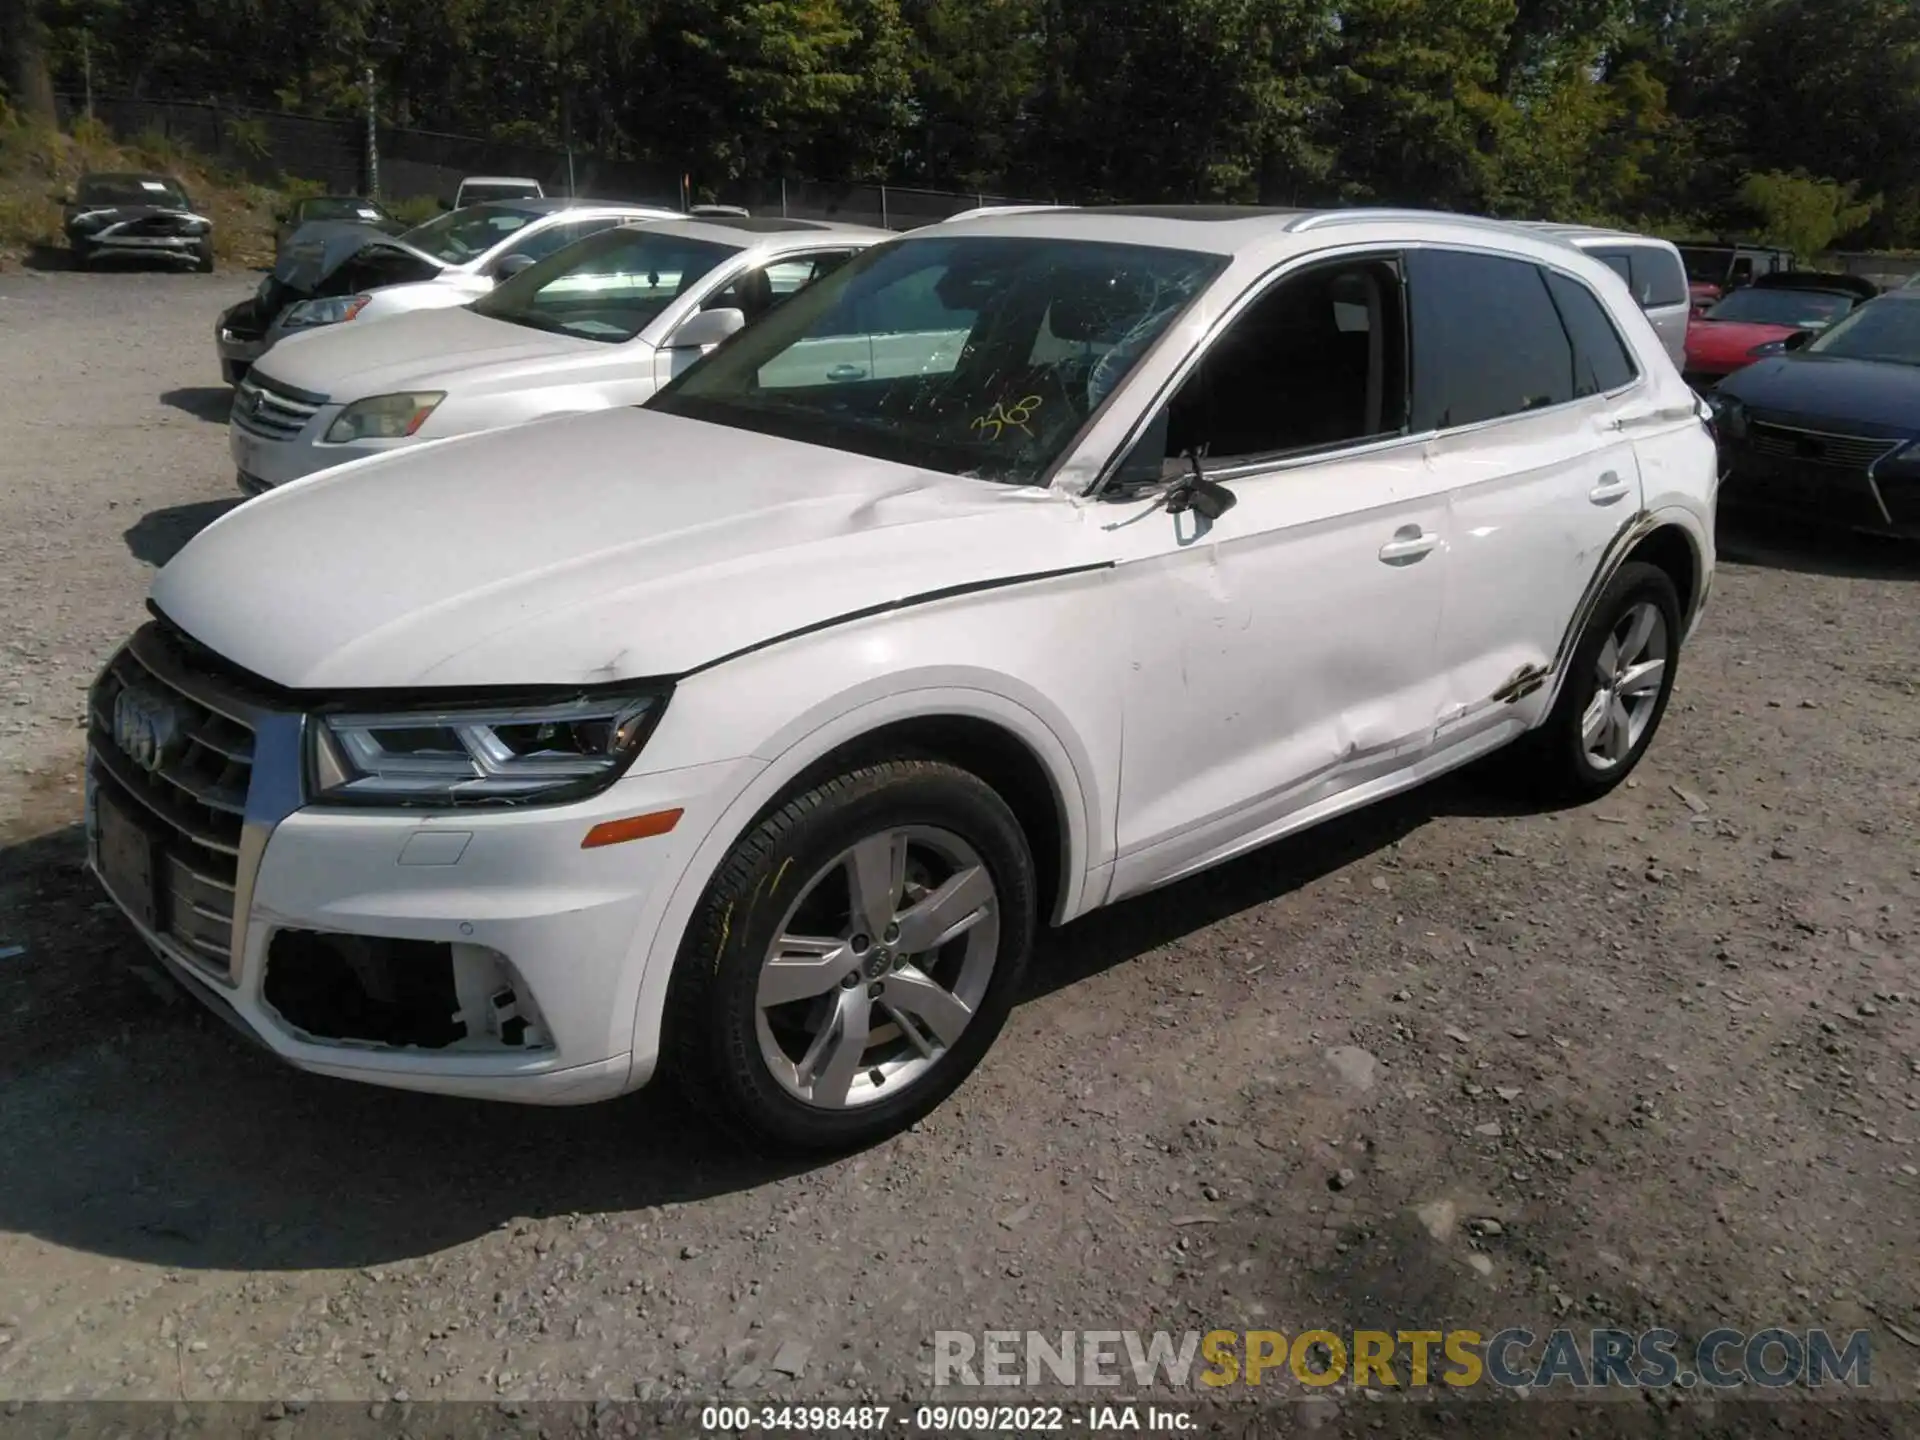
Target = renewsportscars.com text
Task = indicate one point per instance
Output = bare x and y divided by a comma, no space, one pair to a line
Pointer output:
1512,1358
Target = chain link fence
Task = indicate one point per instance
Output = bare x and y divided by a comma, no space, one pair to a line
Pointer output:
267,145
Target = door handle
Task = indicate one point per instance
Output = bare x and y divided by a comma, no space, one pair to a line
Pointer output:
1610,489
846,372
1409,543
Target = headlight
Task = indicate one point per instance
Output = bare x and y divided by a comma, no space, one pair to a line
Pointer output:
1729,416
500,755
384,417
196,227
334,310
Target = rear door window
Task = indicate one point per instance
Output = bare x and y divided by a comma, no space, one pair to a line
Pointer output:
1487,339
1600,359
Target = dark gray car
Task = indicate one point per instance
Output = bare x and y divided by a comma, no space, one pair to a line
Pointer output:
146,216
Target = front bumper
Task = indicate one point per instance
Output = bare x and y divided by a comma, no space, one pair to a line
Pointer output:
1827,497
265,462
179,247
574,928
237,342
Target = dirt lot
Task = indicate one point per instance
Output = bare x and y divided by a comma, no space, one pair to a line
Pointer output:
1670,1044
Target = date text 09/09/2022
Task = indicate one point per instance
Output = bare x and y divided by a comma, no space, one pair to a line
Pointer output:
940,1419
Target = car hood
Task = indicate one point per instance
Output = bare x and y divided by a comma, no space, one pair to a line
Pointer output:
1817,387
1732,337
415,350
588,549
316,250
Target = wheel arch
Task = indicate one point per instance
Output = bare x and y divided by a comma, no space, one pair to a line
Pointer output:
1011,747
1665,539
1671,548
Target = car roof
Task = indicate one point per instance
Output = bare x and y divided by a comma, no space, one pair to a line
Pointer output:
499,180
556,204
1233,230
1827,281
1585,235
768,236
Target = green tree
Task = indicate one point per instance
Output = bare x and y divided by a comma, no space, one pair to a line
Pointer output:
25,81
1803,213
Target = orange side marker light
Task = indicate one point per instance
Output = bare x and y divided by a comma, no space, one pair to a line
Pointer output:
634,827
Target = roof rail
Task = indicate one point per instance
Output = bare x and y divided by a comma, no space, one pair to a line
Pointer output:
1366,216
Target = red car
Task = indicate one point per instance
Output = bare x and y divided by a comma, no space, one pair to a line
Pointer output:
1754,321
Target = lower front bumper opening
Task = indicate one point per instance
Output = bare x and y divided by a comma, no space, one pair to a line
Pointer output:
366,991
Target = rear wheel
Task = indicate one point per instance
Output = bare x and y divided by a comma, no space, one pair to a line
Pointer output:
1615,694
82,256
854,958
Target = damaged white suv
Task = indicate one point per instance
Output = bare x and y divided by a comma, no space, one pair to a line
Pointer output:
1021,565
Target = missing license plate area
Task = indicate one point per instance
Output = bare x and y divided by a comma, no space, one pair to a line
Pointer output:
127,862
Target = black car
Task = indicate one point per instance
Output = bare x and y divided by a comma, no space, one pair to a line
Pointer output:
1829,431
148,216
355,209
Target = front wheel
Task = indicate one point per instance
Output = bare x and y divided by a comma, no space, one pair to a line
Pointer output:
854,958
203,260
1616,690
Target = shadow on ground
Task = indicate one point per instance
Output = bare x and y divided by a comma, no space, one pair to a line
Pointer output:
159,535
160,1136
1807,550
212,403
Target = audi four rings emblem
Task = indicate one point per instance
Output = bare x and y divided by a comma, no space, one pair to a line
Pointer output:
146,727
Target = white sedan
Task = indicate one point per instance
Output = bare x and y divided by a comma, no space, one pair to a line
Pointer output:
1021,565
603,323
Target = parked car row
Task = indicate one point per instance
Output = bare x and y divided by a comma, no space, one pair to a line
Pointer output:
749,734
333,272
603,322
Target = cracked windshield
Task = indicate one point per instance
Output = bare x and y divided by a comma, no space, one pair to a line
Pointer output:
981,357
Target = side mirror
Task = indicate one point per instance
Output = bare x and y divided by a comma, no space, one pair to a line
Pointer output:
509,266
706,329
1799,340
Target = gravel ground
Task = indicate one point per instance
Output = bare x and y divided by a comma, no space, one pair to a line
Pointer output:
1668,1044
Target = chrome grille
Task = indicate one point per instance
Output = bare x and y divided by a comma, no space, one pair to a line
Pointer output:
190,797
271,411
1817,447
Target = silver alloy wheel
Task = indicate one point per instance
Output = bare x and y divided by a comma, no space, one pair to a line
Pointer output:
877,968
1630,670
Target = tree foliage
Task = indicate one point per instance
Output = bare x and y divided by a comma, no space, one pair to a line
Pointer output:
1796,119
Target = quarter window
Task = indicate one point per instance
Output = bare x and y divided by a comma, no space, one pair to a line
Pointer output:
1487,340
1318,361
1600,359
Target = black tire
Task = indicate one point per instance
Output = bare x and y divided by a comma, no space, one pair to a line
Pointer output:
203,260
711,1043
1552,761
82,256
